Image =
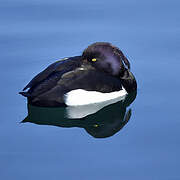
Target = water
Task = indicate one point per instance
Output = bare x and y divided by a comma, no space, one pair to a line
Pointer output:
34,34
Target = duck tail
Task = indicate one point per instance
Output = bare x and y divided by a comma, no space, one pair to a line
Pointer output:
25,120
25,94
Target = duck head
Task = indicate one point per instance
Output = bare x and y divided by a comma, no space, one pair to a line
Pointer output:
106,57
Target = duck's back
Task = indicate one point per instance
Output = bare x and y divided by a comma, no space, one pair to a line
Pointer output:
48,78
49,86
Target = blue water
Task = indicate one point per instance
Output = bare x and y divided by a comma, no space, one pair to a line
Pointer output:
34,34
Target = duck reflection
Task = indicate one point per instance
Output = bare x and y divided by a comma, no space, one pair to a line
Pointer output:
99,121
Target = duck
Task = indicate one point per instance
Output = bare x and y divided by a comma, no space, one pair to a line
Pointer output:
101,73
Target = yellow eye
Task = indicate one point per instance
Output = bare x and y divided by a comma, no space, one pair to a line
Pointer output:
95,125
94,59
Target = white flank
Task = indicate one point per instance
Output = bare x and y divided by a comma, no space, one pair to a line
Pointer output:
80,97
78,106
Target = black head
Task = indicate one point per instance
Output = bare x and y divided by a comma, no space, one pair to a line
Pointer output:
106,57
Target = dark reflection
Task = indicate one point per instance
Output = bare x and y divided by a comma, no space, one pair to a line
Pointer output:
98,123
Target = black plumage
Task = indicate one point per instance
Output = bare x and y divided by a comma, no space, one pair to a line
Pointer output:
102,67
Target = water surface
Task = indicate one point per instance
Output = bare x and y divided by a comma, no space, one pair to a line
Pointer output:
34,34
